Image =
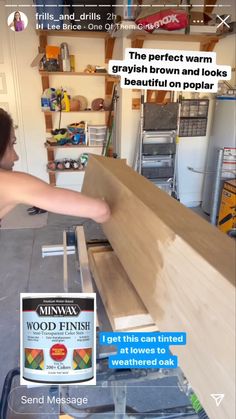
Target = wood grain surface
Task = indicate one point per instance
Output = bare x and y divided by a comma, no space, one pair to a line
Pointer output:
124,307
183,270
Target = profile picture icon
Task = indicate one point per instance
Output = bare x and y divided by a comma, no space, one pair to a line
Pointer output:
17,21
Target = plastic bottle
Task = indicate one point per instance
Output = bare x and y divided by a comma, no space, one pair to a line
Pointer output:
65,57
45,100
65,102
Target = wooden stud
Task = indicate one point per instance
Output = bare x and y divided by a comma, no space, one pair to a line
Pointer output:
42,42
45,82
48,122
52,179
50,154
52,176
109,87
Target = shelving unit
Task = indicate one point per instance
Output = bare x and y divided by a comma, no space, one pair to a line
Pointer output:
45,79
193,117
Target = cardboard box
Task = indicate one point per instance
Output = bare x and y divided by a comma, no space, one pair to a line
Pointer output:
227,214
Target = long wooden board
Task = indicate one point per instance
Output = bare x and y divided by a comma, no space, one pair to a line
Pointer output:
124,307
183,269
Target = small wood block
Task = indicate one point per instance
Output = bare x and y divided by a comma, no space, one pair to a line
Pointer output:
124,307
136,103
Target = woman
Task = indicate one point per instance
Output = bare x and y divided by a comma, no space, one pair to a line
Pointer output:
17,23
17,187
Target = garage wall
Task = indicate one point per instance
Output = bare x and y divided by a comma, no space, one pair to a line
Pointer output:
24,92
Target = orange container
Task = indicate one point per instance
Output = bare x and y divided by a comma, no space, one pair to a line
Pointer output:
52,52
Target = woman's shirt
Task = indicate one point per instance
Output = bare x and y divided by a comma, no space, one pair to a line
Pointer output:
19,25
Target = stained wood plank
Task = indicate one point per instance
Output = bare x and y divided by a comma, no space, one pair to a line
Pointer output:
183,269
124,307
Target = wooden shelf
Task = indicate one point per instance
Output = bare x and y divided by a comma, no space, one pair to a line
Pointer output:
76,34
173,37
71,73
64,112
207,41
69,147
66,171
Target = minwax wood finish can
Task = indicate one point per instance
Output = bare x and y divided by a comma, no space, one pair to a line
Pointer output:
58,338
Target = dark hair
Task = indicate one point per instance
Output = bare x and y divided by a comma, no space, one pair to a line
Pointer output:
17,12
6,125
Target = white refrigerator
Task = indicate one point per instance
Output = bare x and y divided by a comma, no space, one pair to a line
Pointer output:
190,164
223,134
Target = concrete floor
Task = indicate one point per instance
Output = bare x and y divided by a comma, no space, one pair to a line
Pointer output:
22,269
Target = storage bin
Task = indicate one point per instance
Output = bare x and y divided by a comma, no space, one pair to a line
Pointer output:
196,127
193,108
96,135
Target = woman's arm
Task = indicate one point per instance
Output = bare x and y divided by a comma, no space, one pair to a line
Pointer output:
22,188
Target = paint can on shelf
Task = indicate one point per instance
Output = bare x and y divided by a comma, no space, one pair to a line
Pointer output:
58,338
